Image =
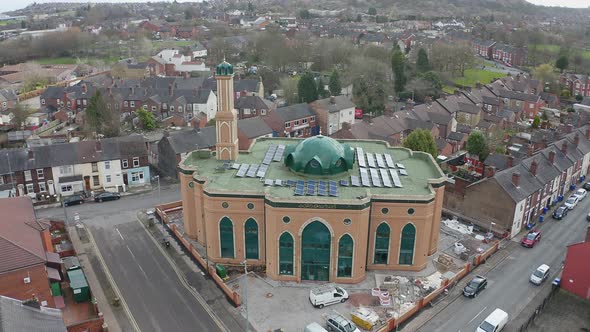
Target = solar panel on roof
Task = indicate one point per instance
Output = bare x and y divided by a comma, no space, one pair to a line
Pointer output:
310,190
268,182
355,181
380,160
300,183
365,177
278,182
291,183
323,191
242,171
262,171
389,161
396,181
252,171
344,183
333,184
323,184
269,154
360,157
370,160
333,191
235,166
385,178
400,165
279,153
299,191
403,172
375,177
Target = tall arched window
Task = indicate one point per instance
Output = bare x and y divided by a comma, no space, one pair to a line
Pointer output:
381,244
251,238
345,252
406,248
226,238
286,254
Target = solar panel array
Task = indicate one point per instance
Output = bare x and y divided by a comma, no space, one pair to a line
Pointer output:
360,157
252,171
323,188
389,161
262,171
268,182
365,177
375,177
272,149
403,172
385,178
310,189
299,187
355,181
242,171
279,153
380,160
235,166
333,189
396,181
371,160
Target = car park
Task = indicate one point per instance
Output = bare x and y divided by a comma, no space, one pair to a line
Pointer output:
338,323
475,286
495,322
531,238
73,200
326,295
560,212
106,196
571,202
540,274
581,193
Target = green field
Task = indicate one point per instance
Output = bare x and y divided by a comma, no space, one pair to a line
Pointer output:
473,76
555,49
57,61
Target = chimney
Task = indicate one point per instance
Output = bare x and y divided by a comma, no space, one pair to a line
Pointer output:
552,156
510,162
478,85
516,179
530,150
569,128
409,104
98,146
110,91
577,139
457,92
490,171
588,132
332,100
84,88
564,147
445,97
31,154
534,166
132,90
170,89
428,100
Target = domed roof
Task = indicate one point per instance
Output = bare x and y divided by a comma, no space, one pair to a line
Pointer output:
224,69
319,155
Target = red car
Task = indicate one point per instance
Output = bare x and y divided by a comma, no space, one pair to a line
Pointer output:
531,238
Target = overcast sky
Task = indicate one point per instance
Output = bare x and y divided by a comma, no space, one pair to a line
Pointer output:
8,5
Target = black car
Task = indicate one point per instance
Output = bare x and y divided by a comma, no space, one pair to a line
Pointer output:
560,212
73,200
475,286
106,196
587,186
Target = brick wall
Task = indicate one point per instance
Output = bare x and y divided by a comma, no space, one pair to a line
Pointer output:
12,284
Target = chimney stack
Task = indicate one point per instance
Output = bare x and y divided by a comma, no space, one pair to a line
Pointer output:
530,150
569,128
170,89
332,100
428,100
409,104
552,156
457,93
478,85
534,166
490,171
98,146
564,147
516,179
132,90
577,139
84,88
31,154
510,162
110,91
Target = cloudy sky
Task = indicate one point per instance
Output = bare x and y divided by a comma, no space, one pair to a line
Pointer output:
7,5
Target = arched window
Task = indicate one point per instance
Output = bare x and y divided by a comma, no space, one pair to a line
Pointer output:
381,244
251,238
406,248
345,251
286,254
226,238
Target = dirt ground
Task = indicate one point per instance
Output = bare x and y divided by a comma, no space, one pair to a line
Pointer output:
565,312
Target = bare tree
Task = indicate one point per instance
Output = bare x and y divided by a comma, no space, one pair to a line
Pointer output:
19,116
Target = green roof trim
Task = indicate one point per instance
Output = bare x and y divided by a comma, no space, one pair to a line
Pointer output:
224,69
319,155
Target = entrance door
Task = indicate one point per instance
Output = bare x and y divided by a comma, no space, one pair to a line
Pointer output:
315,252
87,183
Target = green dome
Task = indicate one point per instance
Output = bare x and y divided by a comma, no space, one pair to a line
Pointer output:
319,155
224,69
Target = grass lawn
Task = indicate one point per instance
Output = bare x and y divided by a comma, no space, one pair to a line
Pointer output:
448,89
547,47
57,61
473,76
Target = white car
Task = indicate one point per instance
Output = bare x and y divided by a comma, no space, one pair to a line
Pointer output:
581,193
571,202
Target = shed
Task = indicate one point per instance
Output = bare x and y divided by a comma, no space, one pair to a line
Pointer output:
71,263
79,285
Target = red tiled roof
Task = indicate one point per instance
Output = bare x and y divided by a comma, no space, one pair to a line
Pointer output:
20,240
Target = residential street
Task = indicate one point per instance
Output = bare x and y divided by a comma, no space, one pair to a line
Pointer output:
157,298
509,288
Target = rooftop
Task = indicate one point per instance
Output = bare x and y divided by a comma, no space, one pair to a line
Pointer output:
420,168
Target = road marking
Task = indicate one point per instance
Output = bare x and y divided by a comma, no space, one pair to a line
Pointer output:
479,313
131,252
119,234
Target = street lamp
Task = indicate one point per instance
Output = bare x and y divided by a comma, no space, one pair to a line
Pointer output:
246,294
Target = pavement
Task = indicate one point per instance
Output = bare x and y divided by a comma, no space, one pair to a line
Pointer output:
508,274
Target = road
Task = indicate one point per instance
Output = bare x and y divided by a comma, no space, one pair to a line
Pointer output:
508,283
157,298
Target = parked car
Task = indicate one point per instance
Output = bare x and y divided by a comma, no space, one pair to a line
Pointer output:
495,322
540,274
106,196
586,186
588,217
560,212
338,323
73,200
531,238
314,327
571,202
325,295
581,193
475,286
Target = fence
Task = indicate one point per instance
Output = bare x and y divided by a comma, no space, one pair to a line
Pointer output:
538,310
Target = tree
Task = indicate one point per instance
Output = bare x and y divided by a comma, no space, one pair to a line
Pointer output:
545,116
422,63
322,92
536,122
397,66
370,81
579,97
359,18
101,119
19,116
307,89
577,61
545,73
304,14
372,11
146,119
562,63
289,87
421,140
334,85
477,145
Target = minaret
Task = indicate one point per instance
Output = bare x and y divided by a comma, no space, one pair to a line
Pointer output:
226,120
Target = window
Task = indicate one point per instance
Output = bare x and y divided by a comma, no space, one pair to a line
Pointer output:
68,169
251,238
107,165
135,161
406,248
84,102
137,177
125,103
95,180
42,187
132,103
287,124
226,238
66,188
297,122
381,244
153,108
144,107
30,188
312,119
40,174
345,253
531,106
125,163
109,107
116,106
78,101
108,178
304,121
180,108
28,176
43,101
253,112
4,104
262,112
94,167
286,219
171,108
286,254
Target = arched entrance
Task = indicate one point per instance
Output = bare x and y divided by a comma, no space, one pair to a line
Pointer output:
315,252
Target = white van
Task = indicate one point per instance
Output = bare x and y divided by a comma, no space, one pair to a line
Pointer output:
540,274
495,322
314,327
325,295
